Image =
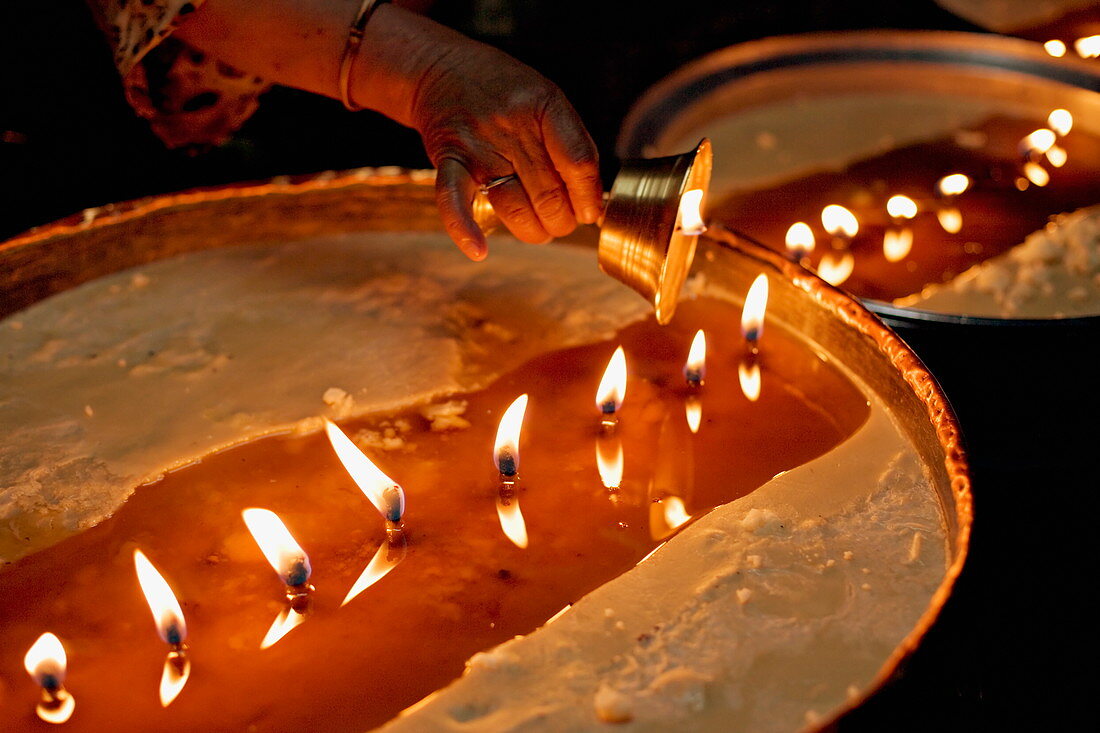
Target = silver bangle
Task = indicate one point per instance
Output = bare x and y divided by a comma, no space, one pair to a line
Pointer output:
351,50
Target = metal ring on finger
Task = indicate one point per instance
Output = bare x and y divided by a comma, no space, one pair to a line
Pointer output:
498,182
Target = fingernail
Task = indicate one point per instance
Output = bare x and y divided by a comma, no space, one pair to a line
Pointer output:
476,251
590,215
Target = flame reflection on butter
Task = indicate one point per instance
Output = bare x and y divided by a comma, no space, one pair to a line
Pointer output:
839,221
693,411
511,518
748,373
1057,156
287,620
691,212
896,244
1036,173
950,219
47,663
836,268
609,460
386,558
284,554
612,389
386,494
800,240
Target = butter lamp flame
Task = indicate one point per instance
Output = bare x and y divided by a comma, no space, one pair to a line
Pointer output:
1038,142
285,555
839,221
695,370
953,184
1087,47
901,207
47,663
800,240
506,447
612,389
171,626
167,613
1055,48
386,494
691,212
609,462
752,315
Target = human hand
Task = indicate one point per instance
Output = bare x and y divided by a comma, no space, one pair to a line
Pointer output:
484,115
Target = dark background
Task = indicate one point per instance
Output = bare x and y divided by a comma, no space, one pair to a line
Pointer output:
1015,645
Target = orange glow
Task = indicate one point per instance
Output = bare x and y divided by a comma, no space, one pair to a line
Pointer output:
951,219
385,559
506,447
287,620
609,461
612,389
675,512
1087,47
749,375
695,369
756,305
1061,121
953,185
386,494
511,518
284,554
1055,48
896,244
1036,173
167,613
835,269
839,221
901,207
800,240
177,670
693,411
1057,156
47,663
691,212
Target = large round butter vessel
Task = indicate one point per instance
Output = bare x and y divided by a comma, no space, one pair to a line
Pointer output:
785,511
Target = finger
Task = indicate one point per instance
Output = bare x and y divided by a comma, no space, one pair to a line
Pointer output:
545,189
454,193
513,207
575,157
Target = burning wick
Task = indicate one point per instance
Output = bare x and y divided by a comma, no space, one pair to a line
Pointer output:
612,389
898,240
1061,121
695,370
752,327
1055,48
800,241
290,562
171,626
752,316
691,213
46,663
948,188
841,223
386,494
506,460
1087,47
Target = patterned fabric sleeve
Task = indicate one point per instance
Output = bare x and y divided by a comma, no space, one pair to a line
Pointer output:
189,99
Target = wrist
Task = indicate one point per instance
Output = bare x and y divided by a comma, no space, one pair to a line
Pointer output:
398,51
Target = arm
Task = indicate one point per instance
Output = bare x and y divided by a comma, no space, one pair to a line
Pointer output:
481,113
